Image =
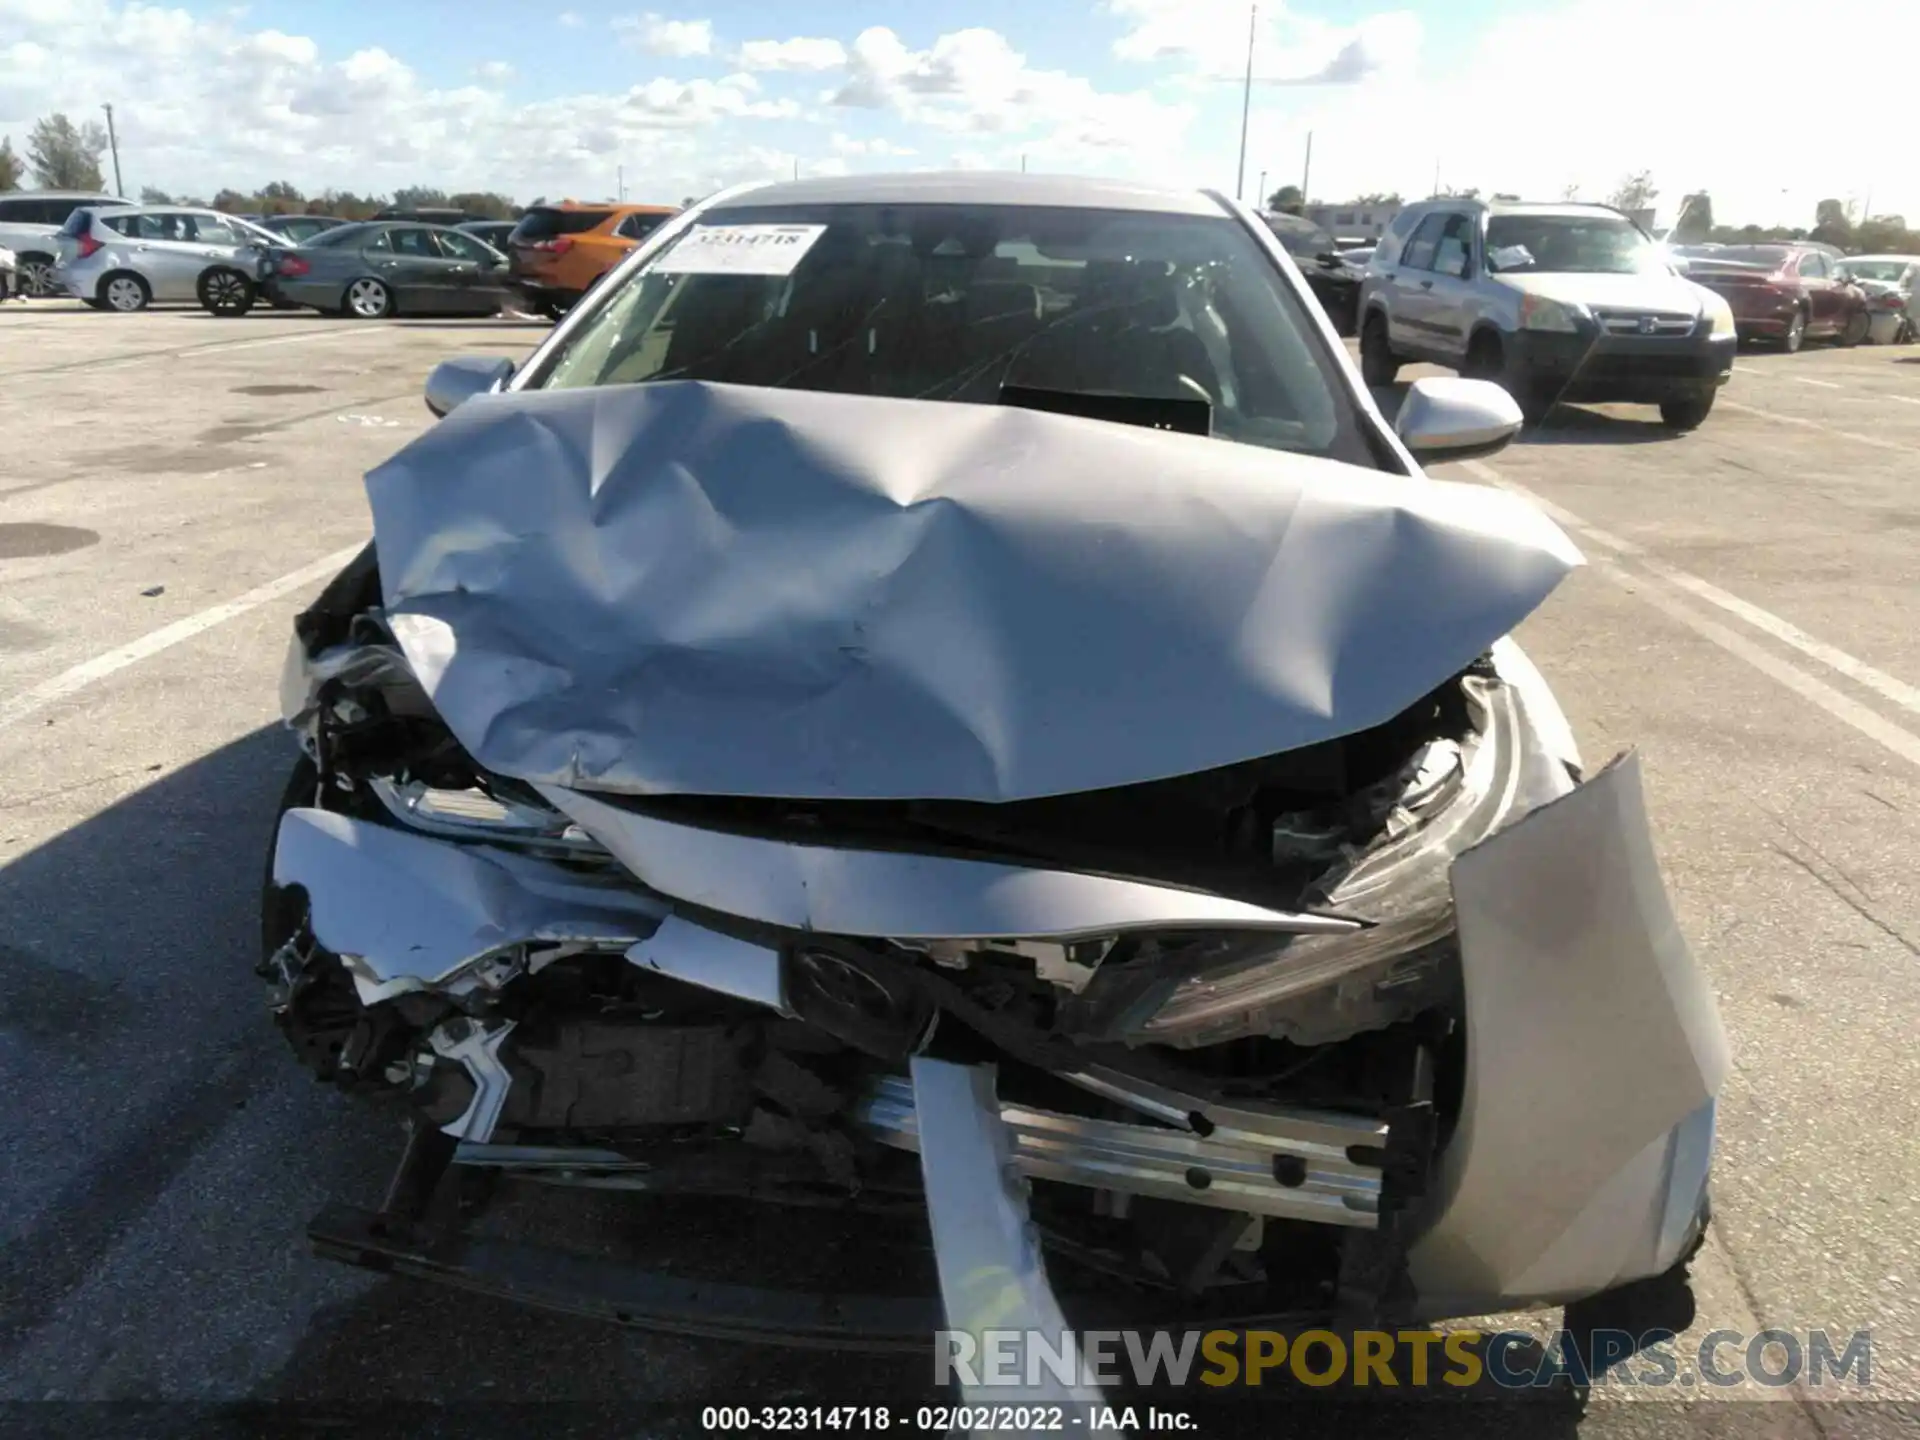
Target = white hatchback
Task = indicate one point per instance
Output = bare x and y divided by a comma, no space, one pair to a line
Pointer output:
129,257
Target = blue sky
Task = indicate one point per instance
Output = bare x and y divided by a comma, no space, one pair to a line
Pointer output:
1543,98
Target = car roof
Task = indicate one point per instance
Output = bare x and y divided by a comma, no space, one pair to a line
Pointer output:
1904,259
980,187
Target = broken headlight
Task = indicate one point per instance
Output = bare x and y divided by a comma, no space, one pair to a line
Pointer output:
1313,989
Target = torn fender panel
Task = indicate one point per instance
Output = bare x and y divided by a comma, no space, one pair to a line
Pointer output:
406,912
899,894
708,589
1594,1050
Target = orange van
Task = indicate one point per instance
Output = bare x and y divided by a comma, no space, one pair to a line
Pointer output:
557,251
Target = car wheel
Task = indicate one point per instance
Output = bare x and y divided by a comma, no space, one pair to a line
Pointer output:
1858,324
1686,414
125,292
225,292
93,302
1796,333
1378,364
34,276
368,299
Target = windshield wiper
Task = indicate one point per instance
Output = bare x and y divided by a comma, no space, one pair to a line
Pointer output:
1151,412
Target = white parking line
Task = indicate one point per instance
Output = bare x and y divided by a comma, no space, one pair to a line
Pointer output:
1854,435
71,682
1823,384
217,347
1900,741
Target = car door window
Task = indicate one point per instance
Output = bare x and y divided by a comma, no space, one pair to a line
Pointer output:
1813,266
1420,251
415,244
638,227
1452,253
209,230
381,242
464,247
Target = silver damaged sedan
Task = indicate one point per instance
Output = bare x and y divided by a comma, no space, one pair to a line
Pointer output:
941,696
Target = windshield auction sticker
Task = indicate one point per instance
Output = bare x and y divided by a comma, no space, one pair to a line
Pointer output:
739,250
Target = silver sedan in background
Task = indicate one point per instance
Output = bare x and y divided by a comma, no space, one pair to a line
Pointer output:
129,257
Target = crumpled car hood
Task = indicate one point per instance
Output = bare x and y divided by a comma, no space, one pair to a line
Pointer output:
710,589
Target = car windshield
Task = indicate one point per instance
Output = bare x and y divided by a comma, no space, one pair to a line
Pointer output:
1301,239
978,304
1569,244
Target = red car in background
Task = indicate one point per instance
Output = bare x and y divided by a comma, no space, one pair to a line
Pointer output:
1782,293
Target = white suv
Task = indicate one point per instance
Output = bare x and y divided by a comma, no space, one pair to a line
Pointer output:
29,220
1555,302
127,257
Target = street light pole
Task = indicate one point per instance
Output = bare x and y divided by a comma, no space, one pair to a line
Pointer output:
113,144
1306,174
1246,105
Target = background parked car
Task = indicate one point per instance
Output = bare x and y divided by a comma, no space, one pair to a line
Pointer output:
1334,279
558,251
427,215
1784,294
377,269
297,229
126,258
493,232
1892,283
29,222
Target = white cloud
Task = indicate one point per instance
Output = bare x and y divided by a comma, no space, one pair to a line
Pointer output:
974,81
800,53
1538,104
366,122
1210,37
570,19
496,72
850,145
657,35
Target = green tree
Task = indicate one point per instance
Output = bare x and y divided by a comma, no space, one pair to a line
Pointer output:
483,203
1636,192
1469,192
11,172
418,197
66,156
1380,197
1696,219
1288,199
150,195
1830,224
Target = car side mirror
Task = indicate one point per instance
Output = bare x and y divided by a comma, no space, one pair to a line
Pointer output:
454,382
1444,418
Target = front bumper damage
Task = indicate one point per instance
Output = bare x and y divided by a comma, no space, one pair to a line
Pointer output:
1577,1161
624,877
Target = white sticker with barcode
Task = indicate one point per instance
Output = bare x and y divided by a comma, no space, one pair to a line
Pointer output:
739,250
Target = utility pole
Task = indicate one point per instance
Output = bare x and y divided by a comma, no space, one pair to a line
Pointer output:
1246,105
113,144
620,182
796,167
1260,195
1306,175
1436,175
1023,162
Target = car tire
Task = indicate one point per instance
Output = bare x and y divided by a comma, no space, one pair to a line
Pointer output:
1378,364
368,299
1795,334
1858,325
1686,414
93,302
34,277
225,291
125,292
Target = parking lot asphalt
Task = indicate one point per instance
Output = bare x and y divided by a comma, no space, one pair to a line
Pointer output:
174,486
